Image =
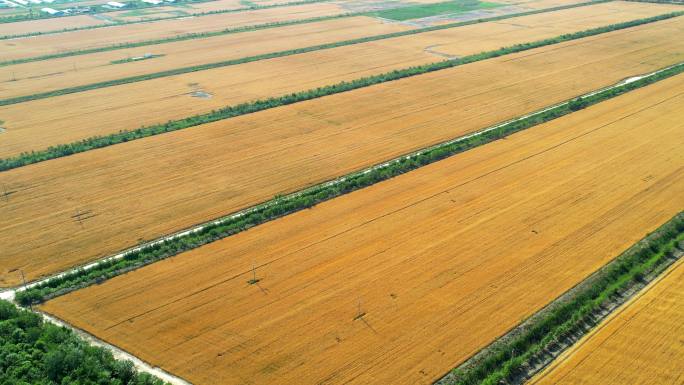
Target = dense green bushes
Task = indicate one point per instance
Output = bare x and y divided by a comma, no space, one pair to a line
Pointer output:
507,362
33,352
259,105
280,206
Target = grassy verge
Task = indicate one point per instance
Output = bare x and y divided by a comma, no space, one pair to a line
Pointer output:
426,10
229,31
263,104
509,362
36,352
199,14
281,206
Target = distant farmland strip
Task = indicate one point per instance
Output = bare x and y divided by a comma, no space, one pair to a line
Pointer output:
281,206
280,24
444,259
171,39
259,105
149,188
115,24
17,48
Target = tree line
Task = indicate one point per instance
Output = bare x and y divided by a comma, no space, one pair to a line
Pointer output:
281,206
95,142
34,352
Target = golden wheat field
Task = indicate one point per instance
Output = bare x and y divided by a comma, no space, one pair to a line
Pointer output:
42,76
640,344
93,38
38,124
154,186
399,282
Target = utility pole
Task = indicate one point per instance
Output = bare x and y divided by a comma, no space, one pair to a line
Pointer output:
359,312
254,279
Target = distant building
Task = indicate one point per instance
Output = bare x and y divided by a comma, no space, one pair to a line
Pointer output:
35,1
51,11
22,2
153,2
116,4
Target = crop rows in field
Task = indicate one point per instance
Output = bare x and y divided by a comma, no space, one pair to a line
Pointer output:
245,161
451,255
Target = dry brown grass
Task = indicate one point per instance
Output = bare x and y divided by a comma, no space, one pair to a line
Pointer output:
641,343
443,260
150,187
39,124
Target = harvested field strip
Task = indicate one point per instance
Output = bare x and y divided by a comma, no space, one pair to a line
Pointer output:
502,229
173,97
178,38
156,186
522,352
408,31
35,78
340,88
61,25
639,344
117,34
174,244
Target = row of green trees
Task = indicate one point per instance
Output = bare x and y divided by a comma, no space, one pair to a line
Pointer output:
281,206
259,105
220,11
33,352
507,362
201,35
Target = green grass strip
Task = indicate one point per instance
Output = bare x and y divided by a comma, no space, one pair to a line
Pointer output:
200,14
281,206
227,31
427,10
95,142
506,363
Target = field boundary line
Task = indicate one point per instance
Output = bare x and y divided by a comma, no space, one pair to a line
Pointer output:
210,231
95,142
538,341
